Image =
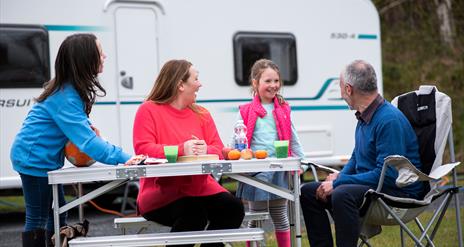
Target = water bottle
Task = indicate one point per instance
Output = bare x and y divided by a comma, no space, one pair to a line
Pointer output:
240,138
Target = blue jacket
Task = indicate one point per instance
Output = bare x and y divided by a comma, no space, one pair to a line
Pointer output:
389,132
38,147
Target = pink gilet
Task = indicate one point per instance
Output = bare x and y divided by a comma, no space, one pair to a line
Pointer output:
251,111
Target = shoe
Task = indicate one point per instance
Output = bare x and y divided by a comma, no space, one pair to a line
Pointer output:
34,238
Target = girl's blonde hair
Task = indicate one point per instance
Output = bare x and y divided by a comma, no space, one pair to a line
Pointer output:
257,70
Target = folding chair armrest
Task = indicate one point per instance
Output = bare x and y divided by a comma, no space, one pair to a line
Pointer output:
443,170
318,166
307,164
408,173
382,176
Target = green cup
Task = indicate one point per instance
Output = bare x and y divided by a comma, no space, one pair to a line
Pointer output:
171,153
281,149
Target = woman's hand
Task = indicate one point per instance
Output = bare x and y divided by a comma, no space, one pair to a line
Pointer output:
195,146
135,160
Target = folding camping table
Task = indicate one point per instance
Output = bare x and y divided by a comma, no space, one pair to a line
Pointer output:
235,169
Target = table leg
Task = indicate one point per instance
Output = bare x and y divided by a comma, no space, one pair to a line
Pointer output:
296,208
81,206
291,210
56,215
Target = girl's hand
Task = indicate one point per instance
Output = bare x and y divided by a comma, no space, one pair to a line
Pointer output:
135,160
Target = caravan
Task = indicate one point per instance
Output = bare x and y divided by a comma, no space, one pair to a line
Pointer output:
311,41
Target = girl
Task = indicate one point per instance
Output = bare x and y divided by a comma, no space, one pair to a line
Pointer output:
60,114
267,119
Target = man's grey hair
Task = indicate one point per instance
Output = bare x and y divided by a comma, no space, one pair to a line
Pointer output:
360,75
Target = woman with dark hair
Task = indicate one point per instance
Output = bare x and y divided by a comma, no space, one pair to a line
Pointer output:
169,116
60,114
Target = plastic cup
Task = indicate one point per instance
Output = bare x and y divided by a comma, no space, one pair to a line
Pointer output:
171,153
281,149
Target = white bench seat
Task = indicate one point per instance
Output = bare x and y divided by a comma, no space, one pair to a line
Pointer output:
172,238
142,224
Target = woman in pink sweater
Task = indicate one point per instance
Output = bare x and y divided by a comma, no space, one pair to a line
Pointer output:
170,116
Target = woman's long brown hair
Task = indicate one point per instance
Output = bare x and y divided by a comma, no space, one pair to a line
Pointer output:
78,63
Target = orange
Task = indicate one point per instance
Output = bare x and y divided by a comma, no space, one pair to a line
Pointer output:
261,154
246,154
234,154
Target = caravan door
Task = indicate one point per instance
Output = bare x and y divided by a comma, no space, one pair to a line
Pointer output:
137,61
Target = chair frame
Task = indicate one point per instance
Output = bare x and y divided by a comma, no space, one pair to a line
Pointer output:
439,212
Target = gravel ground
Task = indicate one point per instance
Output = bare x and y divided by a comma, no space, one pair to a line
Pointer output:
101,224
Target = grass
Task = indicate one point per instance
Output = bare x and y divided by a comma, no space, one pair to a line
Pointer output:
10,204
446,235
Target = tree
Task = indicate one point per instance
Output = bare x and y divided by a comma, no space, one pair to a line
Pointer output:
445,16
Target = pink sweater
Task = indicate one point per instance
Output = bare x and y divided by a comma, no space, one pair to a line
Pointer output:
157,125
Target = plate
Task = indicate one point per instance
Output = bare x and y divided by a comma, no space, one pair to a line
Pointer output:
202,157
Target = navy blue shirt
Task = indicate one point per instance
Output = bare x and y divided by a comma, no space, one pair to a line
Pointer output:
382,130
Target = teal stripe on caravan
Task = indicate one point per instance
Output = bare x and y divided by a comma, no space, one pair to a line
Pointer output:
319,107
105,103
122,103
76,28
131,102
367,36
319,94
222,100
235,108
301,108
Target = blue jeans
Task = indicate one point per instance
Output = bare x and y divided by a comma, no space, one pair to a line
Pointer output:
38,199
343,204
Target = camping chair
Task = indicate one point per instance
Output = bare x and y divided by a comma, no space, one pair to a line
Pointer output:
429,112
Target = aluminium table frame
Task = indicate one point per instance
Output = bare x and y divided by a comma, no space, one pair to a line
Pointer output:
236,169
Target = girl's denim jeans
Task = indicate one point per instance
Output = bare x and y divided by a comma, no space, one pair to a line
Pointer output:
38,200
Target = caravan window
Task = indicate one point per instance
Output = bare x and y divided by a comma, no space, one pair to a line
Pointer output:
278,47
24,56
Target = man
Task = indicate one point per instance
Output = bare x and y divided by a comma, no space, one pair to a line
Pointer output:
381,130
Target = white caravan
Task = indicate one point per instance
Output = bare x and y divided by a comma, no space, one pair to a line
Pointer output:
311,41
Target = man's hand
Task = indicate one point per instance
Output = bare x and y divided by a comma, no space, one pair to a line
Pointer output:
332,176
324,190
